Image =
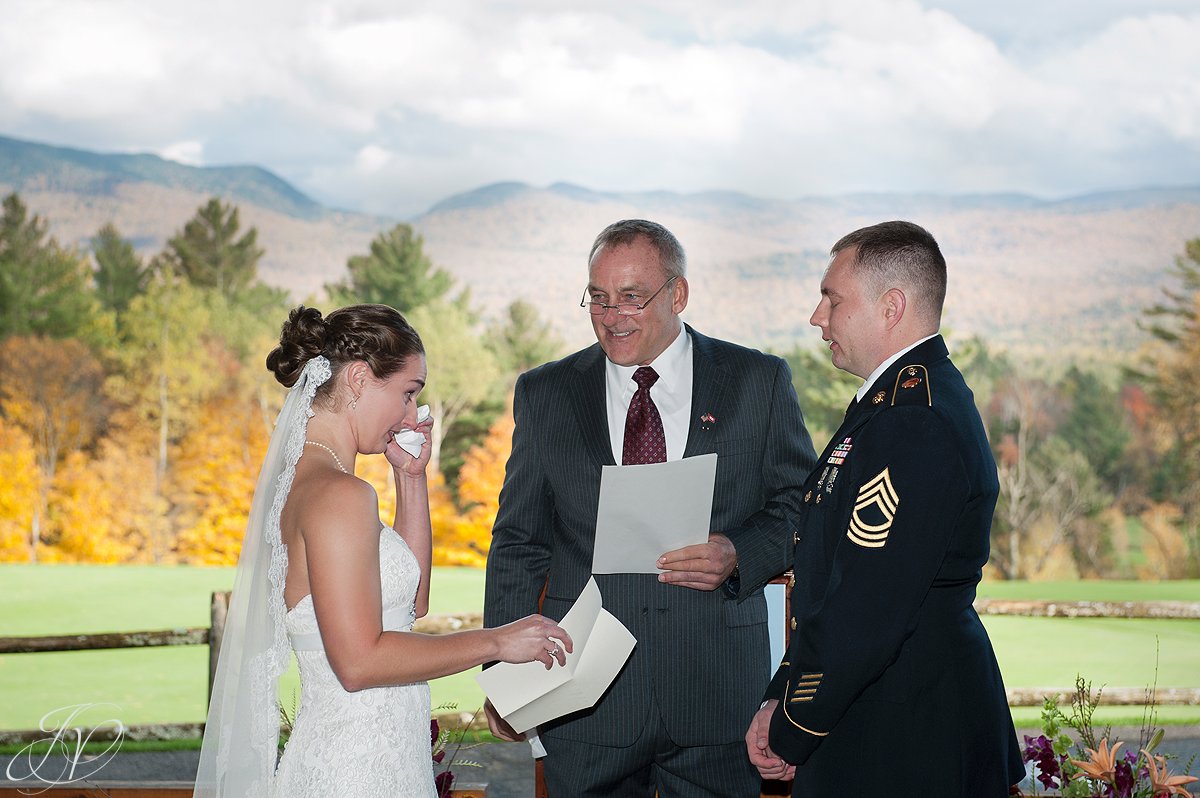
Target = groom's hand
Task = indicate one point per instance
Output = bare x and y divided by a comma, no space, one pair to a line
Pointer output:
499,725
704,566
768,764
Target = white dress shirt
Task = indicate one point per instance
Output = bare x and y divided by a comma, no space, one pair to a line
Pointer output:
672,395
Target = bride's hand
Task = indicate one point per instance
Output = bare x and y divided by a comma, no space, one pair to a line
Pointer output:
534,638
404,462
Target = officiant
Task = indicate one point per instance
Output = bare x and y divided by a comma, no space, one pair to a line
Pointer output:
652,389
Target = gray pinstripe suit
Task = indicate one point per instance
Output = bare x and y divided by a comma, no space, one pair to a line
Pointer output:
702,658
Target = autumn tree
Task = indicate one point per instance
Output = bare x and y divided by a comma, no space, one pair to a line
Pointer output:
213,479
1095,424
479,483
462,371
1019,420
52,390
20,492
1173,375
522,340
120,273
396,272
44,289
105,508
170,365
210,253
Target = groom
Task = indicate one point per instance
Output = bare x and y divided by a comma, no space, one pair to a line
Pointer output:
652,389
890,680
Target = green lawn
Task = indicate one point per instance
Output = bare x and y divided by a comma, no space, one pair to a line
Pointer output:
168,684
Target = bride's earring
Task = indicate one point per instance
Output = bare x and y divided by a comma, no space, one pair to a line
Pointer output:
354,403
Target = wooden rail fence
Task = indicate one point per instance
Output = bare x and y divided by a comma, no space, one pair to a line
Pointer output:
442,624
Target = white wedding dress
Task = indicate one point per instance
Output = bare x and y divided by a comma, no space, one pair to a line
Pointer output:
371,743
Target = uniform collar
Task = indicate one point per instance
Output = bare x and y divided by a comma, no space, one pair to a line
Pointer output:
885,365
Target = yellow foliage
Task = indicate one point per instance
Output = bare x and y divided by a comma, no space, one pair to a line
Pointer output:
51,389
212,485
106,507
18,492
1165,547
103,509
479,482
482,472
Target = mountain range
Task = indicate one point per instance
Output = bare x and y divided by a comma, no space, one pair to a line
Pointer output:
1044,276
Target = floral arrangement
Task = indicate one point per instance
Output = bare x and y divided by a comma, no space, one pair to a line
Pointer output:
439,742
1087,769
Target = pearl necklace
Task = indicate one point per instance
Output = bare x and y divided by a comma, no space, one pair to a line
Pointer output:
336,459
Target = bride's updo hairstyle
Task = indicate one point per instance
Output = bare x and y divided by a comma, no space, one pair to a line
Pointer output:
375,334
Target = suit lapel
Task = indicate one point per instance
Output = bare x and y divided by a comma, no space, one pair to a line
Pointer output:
587,399
710,380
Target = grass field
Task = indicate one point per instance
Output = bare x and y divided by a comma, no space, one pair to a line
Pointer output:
162,685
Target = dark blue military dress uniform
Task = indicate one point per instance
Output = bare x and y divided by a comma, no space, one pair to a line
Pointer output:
890,682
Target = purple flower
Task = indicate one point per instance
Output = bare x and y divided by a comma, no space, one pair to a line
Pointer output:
443,783
1039,751
1123,778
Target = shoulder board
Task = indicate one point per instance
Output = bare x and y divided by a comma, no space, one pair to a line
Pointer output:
912,387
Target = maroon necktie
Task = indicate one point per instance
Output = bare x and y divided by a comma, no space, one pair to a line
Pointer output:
644,438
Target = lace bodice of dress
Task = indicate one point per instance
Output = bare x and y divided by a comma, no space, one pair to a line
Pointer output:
370,742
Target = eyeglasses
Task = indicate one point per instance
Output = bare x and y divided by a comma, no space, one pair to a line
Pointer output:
622,308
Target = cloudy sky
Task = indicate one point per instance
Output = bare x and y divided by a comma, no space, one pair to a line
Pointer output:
388,107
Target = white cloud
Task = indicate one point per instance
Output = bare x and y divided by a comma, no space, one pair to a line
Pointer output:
1140,73
371,159
391,106
184,152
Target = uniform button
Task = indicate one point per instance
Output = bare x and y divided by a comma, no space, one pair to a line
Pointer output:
819,497
807,496
793,624
795,538
791,583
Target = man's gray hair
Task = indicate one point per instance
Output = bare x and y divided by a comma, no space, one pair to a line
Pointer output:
627,231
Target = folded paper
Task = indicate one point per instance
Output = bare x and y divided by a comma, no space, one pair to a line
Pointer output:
527,694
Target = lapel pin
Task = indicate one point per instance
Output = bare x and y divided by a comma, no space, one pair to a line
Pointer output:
707,420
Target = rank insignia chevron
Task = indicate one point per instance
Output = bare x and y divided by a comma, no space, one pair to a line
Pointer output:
874,510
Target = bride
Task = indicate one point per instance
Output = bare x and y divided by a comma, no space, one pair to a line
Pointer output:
320,575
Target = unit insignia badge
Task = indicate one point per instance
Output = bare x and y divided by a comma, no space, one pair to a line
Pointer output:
874,510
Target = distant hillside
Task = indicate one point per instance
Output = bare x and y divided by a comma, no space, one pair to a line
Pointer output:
1034,274
27,164
150,199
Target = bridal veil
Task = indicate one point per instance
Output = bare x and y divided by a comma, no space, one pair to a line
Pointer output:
241,736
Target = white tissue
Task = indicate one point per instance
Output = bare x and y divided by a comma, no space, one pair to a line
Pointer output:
411,440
